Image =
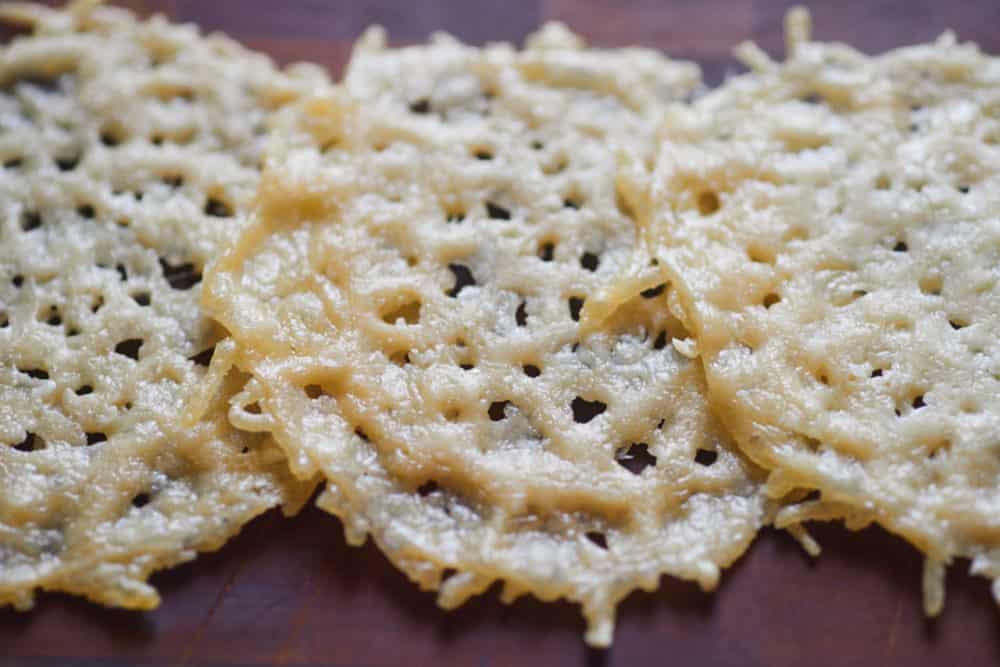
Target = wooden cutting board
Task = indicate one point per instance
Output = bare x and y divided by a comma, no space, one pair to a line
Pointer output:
291,592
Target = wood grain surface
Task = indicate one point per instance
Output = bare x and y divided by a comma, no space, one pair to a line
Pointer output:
291,592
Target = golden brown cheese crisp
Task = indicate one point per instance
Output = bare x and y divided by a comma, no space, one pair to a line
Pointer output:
409,298
129,152
832,225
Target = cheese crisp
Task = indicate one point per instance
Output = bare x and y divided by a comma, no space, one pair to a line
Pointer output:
408,301
129,151
832,224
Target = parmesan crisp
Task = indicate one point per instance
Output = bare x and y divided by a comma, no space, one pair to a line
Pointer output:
129,153
409,300
832,226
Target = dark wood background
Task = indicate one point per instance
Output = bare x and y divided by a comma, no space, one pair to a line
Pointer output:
290,592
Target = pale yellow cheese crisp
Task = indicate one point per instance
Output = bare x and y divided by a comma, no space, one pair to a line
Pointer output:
832,226
129,152
408,301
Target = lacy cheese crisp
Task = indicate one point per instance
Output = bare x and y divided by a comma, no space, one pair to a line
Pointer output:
832,226
129,151
409,300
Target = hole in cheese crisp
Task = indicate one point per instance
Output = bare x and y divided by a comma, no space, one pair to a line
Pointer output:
30,443
497,212
635,458
217,208
463,278
129,348
407,313
498,410
95,438
589,261
585,411
428,488
204,358
181,276
653,292
521,314
598,539
35,373
30,220
705,457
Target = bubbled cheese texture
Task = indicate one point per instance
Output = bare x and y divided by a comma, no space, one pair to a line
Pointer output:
408,302
129,153
832,224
